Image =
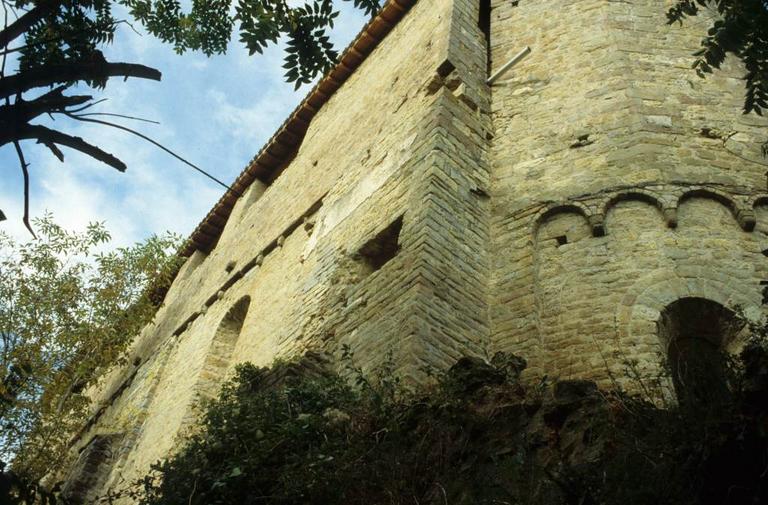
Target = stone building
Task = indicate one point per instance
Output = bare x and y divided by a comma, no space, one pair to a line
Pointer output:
591,206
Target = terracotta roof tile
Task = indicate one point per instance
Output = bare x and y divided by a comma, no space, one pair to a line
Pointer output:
283,144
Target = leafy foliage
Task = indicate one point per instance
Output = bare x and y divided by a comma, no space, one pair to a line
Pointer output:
74,31
476,437
208,25
740,28
70,34
67,313
16,490
693,453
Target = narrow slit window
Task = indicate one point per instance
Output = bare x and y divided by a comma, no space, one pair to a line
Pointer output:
484,23
378,251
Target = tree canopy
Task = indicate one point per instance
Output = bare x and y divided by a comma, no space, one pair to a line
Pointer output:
67,313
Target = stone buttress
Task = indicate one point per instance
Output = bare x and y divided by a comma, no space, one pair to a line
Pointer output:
578,212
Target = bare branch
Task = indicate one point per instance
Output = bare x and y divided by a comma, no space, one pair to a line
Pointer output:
72,72
54,149
45,136
21,112
117,115
88,106
5,25
25,172
141,135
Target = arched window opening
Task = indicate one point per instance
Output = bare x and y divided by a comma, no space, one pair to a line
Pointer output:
222,348
697,332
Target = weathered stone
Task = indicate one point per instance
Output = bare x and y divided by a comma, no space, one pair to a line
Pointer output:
607,194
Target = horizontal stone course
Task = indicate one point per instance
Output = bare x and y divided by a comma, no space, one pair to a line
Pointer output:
427,216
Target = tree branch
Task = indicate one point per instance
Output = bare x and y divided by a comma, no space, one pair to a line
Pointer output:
25,22
72,72
47,136
161,146
54,149
15,115
25,171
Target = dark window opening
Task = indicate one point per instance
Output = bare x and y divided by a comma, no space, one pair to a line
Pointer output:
484,22
561,240
381,248
697,331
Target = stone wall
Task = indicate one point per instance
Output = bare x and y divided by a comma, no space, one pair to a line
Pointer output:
621,182
373,236
427,216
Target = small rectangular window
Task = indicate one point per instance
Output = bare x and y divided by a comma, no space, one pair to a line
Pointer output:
375,253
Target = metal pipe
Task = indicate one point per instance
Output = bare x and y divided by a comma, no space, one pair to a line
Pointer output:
511,63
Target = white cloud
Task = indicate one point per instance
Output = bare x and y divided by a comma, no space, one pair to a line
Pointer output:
215,112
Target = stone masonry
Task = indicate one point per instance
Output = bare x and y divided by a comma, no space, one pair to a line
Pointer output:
408,208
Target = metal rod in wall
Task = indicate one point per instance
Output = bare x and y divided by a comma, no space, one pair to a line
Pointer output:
511,63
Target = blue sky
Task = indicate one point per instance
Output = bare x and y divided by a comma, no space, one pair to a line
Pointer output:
216,112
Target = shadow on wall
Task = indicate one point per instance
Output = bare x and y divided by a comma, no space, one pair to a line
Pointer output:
218,359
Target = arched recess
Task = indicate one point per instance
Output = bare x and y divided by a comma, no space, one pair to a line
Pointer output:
641,307
696,333
711,194
219,356
563,224
644,331
637,196
744,216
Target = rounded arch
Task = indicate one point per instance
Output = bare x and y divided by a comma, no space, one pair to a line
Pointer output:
700,318
563,223
633,195
641,306
759,200
708,193
217,361
638,196
759,206
697,332
560,208
712,194
554,209
744,215
219,356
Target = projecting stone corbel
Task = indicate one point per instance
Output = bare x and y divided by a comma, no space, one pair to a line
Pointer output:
746,218
670,216
597,224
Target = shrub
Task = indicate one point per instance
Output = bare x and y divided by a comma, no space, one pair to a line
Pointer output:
477,436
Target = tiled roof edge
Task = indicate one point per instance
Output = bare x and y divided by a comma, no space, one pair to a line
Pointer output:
283,144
